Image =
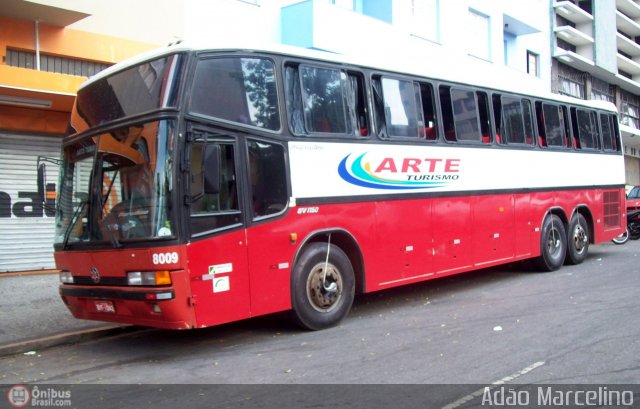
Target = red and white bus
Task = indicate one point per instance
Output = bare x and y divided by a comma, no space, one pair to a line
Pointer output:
202,186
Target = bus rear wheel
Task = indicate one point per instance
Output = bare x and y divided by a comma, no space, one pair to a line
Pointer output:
577,240
323,286
553,244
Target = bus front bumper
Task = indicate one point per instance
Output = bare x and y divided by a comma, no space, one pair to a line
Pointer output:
151,307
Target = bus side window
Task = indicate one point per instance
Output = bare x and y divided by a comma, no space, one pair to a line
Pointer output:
267,173
465,113
429,112
585,125
323,100
483,112
357,103
540,121
398,111
217,208
513,130
609,132
567,126
595,129
460,114
528,121
574,123
241,90
551,124
293,97
497,118
447,113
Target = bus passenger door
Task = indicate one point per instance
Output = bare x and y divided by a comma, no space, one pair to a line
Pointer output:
270,247
217,249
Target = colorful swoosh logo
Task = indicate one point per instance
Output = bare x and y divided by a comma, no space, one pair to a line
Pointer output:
360,174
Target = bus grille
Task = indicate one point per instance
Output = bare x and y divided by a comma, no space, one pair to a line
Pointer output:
612,209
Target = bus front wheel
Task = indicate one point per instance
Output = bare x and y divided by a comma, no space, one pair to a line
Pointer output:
553,244
323,286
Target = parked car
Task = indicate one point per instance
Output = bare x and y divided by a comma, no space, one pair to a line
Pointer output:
633,199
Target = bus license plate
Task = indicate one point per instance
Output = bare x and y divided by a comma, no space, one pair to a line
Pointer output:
105,306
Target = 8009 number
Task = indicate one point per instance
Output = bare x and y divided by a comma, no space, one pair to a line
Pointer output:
165,258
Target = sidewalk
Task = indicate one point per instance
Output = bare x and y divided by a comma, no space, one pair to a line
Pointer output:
33,316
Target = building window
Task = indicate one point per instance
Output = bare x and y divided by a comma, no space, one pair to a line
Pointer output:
50,63
570,82
630,110
602,90
424,19
479,35
533,63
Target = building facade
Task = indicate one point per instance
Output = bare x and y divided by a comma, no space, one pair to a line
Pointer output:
596,55
589,49
44,61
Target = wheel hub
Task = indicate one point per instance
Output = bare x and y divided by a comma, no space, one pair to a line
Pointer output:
324,288
580,238
554,242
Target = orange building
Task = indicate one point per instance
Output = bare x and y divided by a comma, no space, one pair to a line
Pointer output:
43,64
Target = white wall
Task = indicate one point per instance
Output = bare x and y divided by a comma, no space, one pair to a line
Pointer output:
152,21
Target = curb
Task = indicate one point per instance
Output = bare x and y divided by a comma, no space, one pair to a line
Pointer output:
63,339
27,273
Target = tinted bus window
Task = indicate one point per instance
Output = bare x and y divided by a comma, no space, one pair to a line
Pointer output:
325,101
324,104
551,123
483,112
241,90
586,128
139,89
517,126
528,121
268,176
465,115
609,132
218,209
400,100
429,112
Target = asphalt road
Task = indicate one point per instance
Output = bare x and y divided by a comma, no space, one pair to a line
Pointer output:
579,325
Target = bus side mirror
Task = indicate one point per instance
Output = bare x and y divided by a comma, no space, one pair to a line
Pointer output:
42,181
211,169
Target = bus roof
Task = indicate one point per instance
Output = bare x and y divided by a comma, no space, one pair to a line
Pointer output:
436,64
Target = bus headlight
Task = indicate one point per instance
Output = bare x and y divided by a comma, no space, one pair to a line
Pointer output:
66,277
149,278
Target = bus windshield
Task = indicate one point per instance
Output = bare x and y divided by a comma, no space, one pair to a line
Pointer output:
115,187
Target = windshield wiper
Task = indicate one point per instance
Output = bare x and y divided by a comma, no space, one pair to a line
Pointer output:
74,220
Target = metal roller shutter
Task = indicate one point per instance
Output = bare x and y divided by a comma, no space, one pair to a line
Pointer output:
26,231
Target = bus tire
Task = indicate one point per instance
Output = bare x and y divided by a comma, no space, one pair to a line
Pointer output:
553,244
577,240
320,301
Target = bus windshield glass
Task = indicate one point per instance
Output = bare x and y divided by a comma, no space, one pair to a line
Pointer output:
135,90
115,187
